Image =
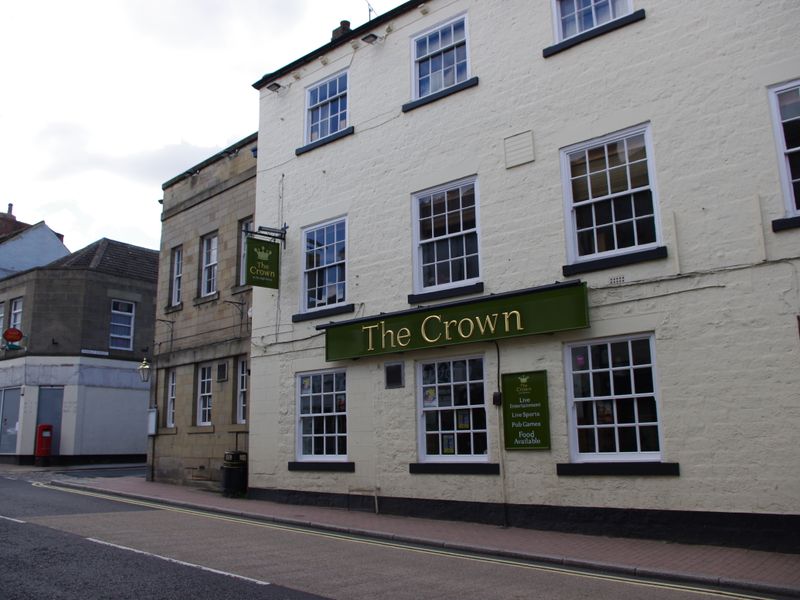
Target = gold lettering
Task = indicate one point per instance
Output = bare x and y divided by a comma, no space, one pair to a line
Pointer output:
487,323
367,328
506,315
403,336
424,333
447,328
384,333
471,328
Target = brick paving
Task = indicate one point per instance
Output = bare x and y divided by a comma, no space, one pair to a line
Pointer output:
757,571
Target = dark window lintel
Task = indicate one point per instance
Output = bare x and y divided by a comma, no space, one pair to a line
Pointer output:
409,106
635,16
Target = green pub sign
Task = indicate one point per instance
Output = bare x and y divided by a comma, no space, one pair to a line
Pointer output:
548,309
526,411
263,263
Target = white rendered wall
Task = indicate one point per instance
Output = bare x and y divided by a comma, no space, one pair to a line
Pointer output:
723,306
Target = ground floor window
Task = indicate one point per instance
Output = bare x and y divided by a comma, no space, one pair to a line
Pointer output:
451,398
171,395
204,395
613,401
322,415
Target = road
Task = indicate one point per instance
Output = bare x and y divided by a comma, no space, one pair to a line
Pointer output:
64,544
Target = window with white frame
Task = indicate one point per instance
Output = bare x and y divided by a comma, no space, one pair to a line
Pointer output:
177,275
326,111
322,415
324,265
245,226
785,101
204,395
610,195
15,320
576,16
208,279
451,397
613,401
2,315
446,234
171,395
241,390
122,321
440,58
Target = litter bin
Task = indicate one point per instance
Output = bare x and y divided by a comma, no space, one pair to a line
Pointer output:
234,473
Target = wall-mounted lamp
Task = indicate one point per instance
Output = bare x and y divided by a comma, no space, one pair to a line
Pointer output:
144,370
370,38
274,86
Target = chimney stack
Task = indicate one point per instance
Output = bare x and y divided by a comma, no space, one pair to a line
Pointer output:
341,31
10,208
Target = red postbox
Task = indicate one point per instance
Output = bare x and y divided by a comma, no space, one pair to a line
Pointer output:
44,444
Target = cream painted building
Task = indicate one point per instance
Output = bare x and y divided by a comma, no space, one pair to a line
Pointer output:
594,213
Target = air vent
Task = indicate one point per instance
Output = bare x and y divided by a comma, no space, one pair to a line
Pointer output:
617,280
394,375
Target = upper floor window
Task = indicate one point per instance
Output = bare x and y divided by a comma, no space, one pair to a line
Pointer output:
610,195
576,16
326,111
322,420
446,235
245,226
612,400
16,314
208,278
242,375
176,281
452,409
204,395
440,58
2,315
122,316
785,101
171,397
324,267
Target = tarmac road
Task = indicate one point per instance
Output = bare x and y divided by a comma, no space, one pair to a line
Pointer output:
62,544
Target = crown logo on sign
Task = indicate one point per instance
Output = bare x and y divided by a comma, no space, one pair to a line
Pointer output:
524,378
263,254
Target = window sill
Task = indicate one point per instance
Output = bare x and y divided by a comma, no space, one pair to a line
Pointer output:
635,16
327,140
464,290
173,308
240,289
331,467
471,82
167,431
206,299
454,468
237,428
200,429
784,224
619,468
611,262
325,312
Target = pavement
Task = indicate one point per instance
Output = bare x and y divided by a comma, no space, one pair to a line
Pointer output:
763,573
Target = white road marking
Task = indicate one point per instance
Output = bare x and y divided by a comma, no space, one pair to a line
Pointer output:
13,520
180,562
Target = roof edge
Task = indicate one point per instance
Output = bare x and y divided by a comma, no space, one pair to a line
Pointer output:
354,33
212,159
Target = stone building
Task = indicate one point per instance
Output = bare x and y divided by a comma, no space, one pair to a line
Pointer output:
24,246
202,339
86,323
541,268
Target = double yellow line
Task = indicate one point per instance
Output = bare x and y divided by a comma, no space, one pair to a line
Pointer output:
356,539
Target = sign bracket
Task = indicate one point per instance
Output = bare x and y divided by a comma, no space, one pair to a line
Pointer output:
270,233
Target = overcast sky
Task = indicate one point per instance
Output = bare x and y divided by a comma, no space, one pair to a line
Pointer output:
102,101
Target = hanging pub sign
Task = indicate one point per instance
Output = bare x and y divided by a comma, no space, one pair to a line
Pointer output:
526,411
547,309
263,263
13,337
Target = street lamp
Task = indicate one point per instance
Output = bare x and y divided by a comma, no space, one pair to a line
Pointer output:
144,370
